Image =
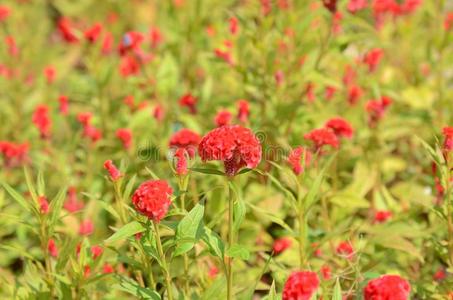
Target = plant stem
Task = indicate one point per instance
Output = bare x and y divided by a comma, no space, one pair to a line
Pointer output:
230,242
163,261
183,184
301,234
449,216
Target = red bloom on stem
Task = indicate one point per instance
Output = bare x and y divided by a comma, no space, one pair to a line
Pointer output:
295,158
223,118
96,251
42,120
243,110
13,154
156,37
213,271
186,139
86,271
448,23
349,75
84,118
234,25
224,55
12,46
354,94
66,31
86,227
52,248
340,127
152,199
322,137
330,92
50,73
448,138
326,272
281,244
159,112
181,161
64,104
189,101
131,41
107,43
43,205
376,109
72,204
357,5
92,34
387,287
345,249
372,58
381,216
129,66
440,274
5,11
125,135
114,173
107,269
235,145
300,286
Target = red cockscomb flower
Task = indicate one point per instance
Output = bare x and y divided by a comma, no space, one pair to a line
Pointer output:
326,272
5,11
372,58
376,109
66,30
181,161
295,159
387,287
440,274
42,120
129,66
86,271
381,216
340,127
300,286
125,136
63,104
159,112
187,139
224,55
73,204
96,251
357,5
43,205
354,94
235,145
345,249
131,41
448,138
152,199
13,154
92,34
223,118
322,137
114,173
155,36
107,268
189,101
243,110
52,248
234,25
50,73
448,23
86,227
281,244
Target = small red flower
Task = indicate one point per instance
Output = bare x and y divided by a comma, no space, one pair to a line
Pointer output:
243,110
213,271
13,154
330,92
448,23
72,204
84,118
5,11
189,101
224,55
66,30
448,138
223,118
181,161
322,137
42,120
114,173
86,227
235,145
300,286
281,244
440,274
107,269
64,104
345,249
43,205
92,34
129,66
159,112
340,127
125,135
155,36
357,5
52,248
152,199
376,109
387,287
107,43
372,58
234,25
50,73
382,216
355,92
187,139
131,41
326,272
96,251
295,158
86,271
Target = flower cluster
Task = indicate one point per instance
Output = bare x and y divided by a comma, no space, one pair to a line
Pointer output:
387,287
152,199
42,120
300,286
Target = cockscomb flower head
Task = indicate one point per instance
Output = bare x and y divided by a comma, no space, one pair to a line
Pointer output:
243,110
180,158
223,118
159,112
5,11
125,136
356,5
448,138
372,58
340,127
354,94
63,104
14,154
86,227
387,287
131,41
50,73
43,205
92,34
296,159
281,244
322,137
235,145
114,173
107,268
189,101
52,248
96,251
234,25
382,216
300,286
152,199
187,139
42,120
72,203
326,272
66,30
345,249
376,109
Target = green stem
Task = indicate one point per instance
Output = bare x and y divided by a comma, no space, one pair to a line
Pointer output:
301,217
183,184
163,261
230,243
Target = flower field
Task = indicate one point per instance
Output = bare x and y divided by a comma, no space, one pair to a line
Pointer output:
226,149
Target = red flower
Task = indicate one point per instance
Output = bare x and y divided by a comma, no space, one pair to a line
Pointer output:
5,11
295,157
281,245
279,77
50,73
372,58
86,227
85,118
12,46
131,41
72,204
159,112
448,138
189,101
13,154
330,92
152,199
243,110
340,127
223,118
52,248
381,216
448,23
234,25
326,272
181,161
96,251
64,104
310,92
356,5
354,94
322,137
129,66
187,139
345,249
300,286
266,7
331,5
114,173
376,109
235,145
336,22
86,271
92,133
107,43
66,31
349,75
107,269
155,36
440,274
213,271
43,205
42,120
224,55
92,34
387,287
125,135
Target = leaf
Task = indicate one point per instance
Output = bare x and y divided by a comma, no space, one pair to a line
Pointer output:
337,291
217,290
126,231
189,230
312,195
19,198
132,287
30,185
272,293
130,185
271,217
239,207
41,185
238,251
349,201
56,204
214,242
208,171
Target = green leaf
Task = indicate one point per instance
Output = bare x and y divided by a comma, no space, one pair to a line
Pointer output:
41,185
126,231
238,251
19,198
272,295
217,290
30,185
129,187
312,196
337,291
208,171
271,217
214,243
56,204
189,230
132,287
239,206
